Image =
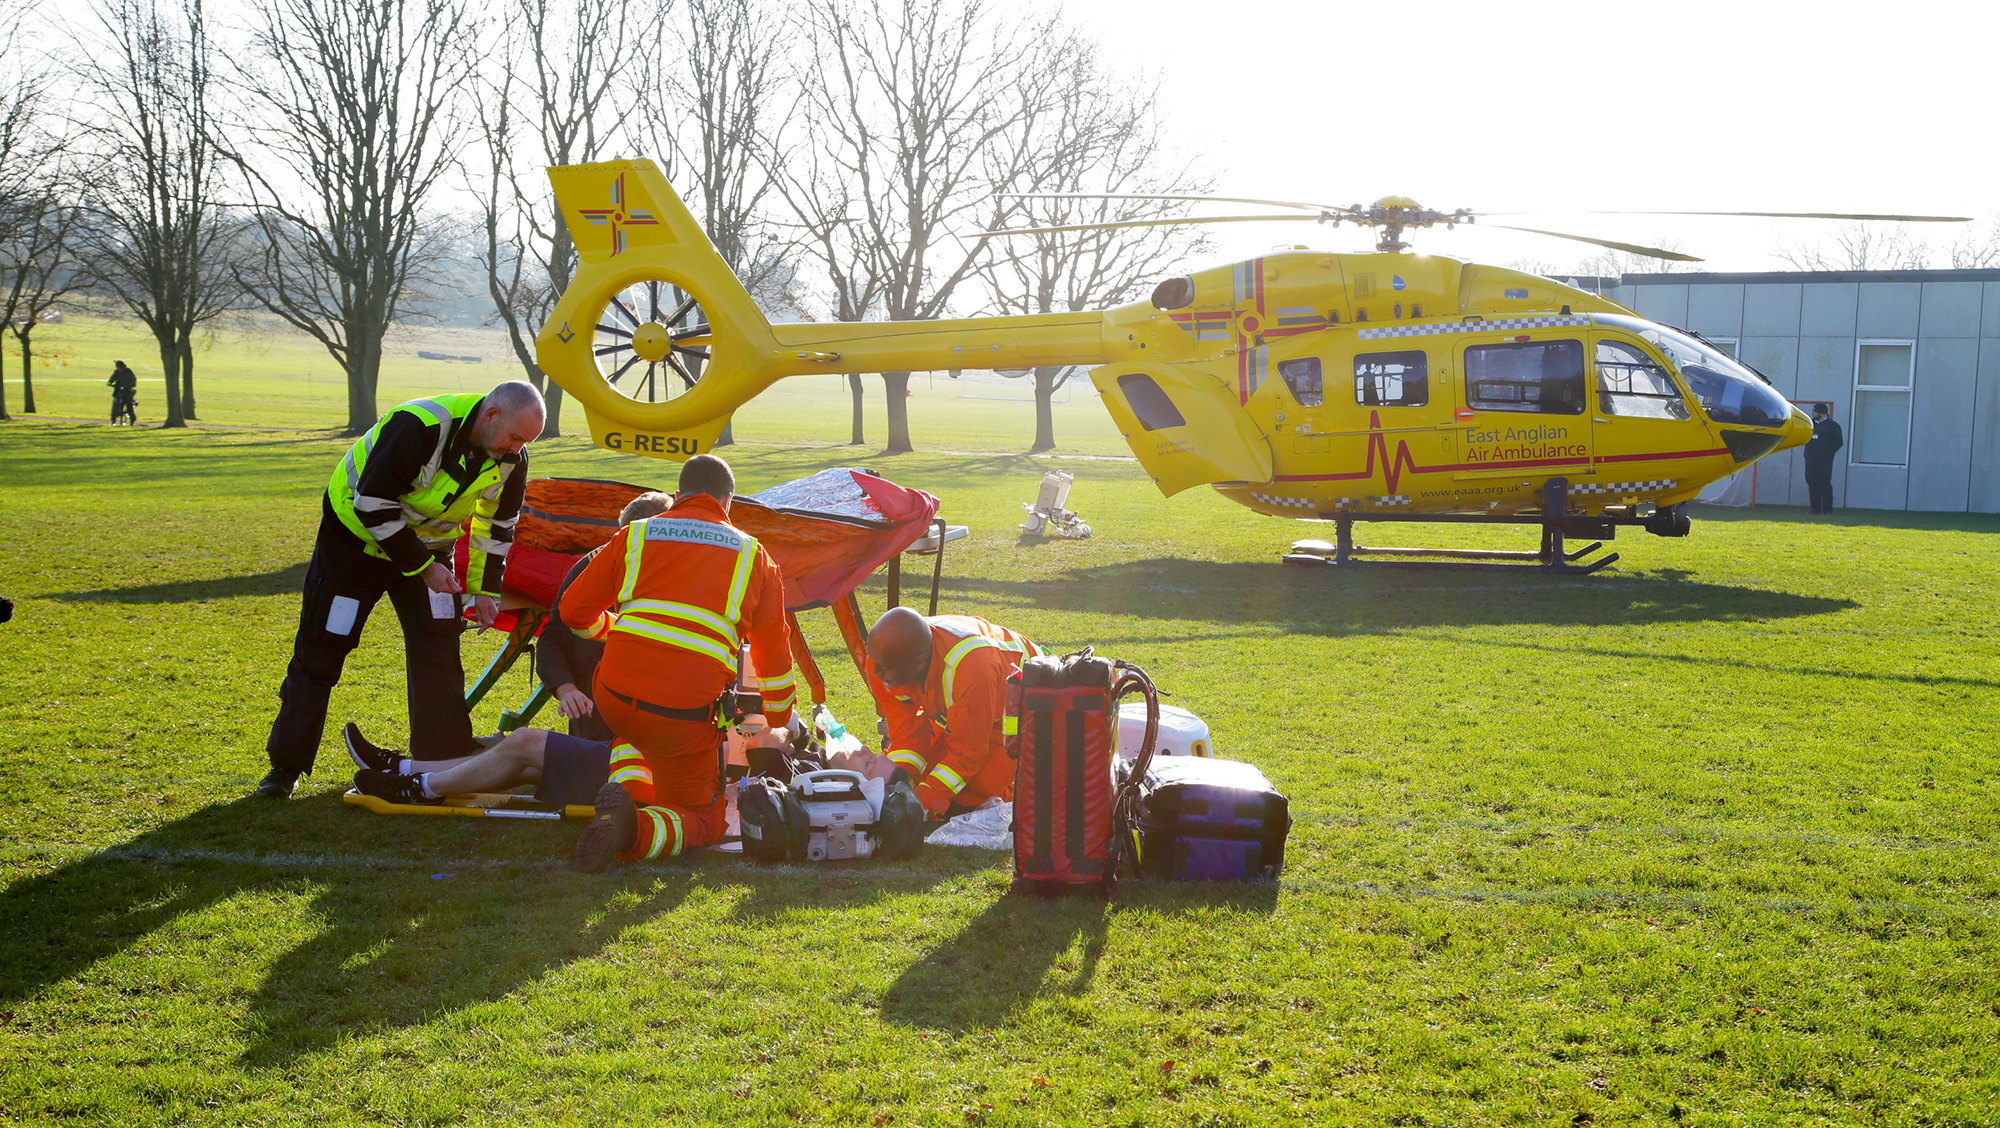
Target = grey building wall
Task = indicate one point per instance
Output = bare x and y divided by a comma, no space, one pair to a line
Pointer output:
1803,331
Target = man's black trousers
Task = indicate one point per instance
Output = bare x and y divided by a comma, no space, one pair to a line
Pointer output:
343,584
1819,485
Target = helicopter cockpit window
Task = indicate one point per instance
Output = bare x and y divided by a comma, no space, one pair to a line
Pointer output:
1392,379
1629,383
1302,377
1539,376
1149,403
1728,391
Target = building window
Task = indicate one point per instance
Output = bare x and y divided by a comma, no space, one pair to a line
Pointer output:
1540,376
1302,377
1884,372
1724,345
1391,379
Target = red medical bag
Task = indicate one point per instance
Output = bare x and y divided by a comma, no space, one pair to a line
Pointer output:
1070,818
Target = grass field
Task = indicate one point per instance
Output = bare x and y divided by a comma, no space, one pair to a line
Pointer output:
1708,838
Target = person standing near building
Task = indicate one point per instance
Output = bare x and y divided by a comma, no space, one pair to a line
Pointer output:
1819,450
124,384
388,519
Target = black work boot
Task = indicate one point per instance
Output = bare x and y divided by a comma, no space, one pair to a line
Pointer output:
611,834
277,784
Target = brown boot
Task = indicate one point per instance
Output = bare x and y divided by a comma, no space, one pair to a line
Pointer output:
611,833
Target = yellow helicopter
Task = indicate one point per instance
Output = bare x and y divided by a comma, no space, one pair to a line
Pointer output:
1378,387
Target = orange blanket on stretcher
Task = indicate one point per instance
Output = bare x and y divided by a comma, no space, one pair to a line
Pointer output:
827,531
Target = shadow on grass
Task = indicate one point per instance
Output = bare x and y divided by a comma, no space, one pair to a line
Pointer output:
1335,602
369,936
1024,948
284,581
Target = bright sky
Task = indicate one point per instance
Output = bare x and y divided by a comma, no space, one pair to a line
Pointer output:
1744,106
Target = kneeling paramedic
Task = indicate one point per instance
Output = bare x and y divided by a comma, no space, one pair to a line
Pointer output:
675,597
388,519
941,684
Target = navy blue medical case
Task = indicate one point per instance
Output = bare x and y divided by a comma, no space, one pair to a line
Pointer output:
1200,819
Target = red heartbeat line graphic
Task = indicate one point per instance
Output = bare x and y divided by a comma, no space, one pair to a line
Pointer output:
1403,461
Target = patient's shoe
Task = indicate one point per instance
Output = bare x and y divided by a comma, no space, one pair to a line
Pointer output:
368,757
617,824
393,786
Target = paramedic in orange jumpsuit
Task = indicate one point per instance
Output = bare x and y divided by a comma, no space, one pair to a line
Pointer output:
674,597
941,684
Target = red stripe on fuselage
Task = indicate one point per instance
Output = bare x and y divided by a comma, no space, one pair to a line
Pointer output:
1404,461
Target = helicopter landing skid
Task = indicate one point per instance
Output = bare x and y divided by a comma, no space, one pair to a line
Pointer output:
1553,556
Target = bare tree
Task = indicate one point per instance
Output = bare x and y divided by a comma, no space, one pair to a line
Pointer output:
39,266
27,149
555,101
161,234
1098,138
915,106
713,118
1859,246
1978,248
351,123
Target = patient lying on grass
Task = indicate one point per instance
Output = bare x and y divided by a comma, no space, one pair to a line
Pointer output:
565,769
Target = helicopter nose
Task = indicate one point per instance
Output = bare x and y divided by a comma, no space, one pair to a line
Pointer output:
1798,428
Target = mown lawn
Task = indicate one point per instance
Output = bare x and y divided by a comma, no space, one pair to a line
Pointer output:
1708,838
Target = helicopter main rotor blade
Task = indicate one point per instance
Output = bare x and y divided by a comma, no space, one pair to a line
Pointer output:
1629,248
1154,196
1150,223
1781,215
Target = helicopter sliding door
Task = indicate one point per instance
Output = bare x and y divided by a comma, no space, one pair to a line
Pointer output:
1187,428
1390,419
1527,419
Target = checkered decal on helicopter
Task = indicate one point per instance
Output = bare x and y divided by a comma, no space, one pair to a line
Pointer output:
1293,502
1624,487
1391,499
1504,323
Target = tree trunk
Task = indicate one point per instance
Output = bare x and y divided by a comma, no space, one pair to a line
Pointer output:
187,376
897,386
1045,416
364,360
170,362
728,435
27,374
552,396
860,401
3,380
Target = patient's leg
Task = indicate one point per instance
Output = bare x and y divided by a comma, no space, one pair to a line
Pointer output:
515,760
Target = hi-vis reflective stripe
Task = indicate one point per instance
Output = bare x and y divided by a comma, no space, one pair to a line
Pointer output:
629,765
909,761
967,646
740,582
660,831
635,548
686,611
949,778
700,644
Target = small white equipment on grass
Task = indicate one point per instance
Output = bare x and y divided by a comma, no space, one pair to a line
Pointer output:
839,817
1181,732
1046,514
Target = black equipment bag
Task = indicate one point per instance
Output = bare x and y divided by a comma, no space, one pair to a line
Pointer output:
1199,819
773,821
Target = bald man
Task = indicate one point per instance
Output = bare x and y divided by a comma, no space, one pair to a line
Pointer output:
941,684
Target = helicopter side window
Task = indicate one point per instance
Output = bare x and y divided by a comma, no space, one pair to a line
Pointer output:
1537,376
1630,384
1302,377
1392,379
